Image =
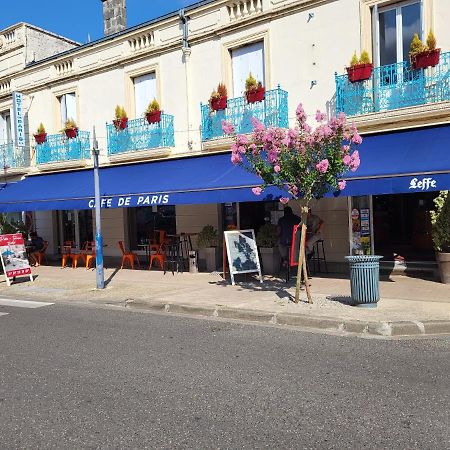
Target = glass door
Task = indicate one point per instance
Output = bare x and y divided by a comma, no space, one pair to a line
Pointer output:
395,27
76,226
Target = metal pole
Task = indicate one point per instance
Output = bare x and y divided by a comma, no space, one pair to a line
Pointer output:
98,225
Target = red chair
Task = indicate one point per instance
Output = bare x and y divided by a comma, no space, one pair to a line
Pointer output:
128,256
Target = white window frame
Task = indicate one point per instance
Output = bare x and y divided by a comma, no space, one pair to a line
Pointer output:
153,78
399,27
64,116
260,77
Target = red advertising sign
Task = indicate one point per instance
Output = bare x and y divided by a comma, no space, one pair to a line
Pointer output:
14,255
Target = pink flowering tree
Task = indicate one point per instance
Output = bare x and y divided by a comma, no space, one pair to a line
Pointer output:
304,162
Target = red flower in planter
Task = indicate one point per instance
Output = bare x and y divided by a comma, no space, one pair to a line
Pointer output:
153,117
40,138
120,124
256,95
71,133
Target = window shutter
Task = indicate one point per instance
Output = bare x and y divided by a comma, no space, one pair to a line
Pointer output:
249,58
144,92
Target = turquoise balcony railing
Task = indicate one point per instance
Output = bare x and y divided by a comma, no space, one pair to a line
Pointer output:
140,135
272,112
59,148
12,157
394,86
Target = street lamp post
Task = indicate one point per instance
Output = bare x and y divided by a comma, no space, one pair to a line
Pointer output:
98,226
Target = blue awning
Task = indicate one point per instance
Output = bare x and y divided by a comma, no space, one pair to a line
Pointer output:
406,161
207,179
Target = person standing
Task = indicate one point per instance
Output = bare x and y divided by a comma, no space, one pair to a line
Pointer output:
285,227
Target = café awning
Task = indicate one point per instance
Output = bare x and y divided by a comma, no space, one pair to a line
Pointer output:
409,161
205,179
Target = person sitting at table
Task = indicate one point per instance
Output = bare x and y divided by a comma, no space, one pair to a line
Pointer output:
37,244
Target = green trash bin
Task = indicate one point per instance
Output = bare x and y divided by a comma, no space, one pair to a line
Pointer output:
365,279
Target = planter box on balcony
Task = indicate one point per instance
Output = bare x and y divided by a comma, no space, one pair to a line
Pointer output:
40,138
360,72
153,117
120,124
256,95
218,104
71,133
426,59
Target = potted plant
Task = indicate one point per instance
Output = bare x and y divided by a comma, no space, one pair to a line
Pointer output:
254,90
121,120
71,129
41,135
207,242
267,240
218,99
153,112
423,56
440,220
360,69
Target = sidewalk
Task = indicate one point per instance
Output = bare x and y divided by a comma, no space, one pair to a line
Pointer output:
409,306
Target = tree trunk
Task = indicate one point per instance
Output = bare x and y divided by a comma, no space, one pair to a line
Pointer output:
302,259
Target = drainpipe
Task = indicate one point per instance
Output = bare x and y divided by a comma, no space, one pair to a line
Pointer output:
186,59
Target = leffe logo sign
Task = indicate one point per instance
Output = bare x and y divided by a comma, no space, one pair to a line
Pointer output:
423,184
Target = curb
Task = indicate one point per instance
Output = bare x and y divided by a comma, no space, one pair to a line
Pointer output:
351,326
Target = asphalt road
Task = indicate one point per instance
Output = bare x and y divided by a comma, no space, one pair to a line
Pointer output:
82,377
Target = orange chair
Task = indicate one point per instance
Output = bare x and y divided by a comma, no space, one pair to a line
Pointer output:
40,254
67,252
128,256
157,255
89,249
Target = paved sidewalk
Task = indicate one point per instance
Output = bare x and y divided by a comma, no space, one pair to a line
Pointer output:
409,306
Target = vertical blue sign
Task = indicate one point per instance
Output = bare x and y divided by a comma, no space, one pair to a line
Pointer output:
19,127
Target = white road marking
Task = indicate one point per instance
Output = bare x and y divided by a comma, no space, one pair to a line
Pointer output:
4,314
23,303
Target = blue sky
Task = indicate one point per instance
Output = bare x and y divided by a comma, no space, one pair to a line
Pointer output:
76,20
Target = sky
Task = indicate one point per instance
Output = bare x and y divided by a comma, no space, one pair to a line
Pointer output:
80,19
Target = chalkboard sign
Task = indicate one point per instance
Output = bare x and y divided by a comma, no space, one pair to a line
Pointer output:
242,252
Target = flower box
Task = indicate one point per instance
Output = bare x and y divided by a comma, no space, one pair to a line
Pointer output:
153,117
256,95
120,124
218,104
40,138
359,72
71,133
422,60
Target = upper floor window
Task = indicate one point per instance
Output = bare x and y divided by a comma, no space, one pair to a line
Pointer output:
246,59
5,128
68,105
144,92
396,27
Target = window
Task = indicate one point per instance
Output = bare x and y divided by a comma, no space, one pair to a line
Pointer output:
144,92
5,128
68,104
145,220
246,59
396,27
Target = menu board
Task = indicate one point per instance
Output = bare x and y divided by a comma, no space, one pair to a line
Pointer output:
14,256
242,253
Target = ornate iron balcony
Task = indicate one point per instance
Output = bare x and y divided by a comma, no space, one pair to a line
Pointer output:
272,112
394,86
12,157
140,135
59,148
